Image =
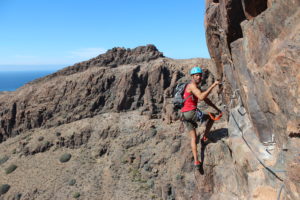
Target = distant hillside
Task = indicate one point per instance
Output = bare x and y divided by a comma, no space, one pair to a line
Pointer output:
119,80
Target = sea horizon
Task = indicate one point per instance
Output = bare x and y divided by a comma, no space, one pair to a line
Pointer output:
12,80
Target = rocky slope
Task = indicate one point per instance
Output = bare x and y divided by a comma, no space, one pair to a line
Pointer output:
256,47
118,80
115,121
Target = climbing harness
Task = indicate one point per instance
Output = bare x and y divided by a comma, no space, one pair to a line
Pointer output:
199,114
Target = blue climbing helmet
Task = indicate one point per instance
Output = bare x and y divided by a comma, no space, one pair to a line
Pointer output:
195,70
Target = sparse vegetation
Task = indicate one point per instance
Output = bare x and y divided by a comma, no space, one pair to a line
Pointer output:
65,157
28,139
11,168
137,177
76,195
4,188
72,182
179,177
124,161
46,143
153,131
150,183
3,159
17,196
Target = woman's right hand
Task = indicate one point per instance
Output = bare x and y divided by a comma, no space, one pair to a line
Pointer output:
216,83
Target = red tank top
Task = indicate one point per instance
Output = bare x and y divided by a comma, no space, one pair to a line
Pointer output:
190,103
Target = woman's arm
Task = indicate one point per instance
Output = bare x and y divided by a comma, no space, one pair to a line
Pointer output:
208,102
202,95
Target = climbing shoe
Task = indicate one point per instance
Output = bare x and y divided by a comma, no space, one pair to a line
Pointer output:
197,164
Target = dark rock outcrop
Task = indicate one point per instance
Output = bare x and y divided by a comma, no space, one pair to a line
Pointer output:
256,48
261,62
113,58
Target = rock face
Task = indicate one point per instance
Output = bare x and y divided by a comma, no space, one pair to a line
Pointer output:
258,54
256,48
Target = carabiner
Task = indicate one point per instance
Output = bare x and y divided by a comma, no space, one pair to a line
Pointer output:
215,118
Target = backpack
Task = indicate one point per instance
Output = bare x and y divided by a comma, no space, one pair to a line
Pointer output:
178,99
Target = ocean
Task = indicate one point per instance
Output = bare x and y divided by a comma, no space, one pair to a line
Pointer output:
11,80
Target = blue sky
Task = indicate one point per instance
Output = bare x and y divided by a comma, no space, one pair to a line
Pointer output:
58,33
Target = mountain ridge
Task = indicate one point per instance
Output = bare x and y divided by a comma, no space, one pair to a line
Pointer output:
69,94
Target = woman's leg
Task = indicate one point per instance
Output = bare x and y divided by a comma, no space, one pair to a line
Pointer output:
193,136
209,124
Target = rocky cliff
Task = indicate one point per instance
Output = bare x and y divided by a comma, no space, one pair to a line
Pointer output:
256,48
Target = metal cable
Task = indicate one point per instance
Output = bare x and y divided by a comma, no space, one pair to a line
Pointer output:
259,160
279,192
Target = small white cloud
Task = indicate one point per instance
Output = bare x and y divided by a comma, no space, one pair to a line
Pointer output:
87,53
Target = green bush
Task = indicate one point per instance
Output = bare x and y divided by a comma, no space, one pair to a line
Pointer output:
41,138
76,195
4,188
11,168
150,183
153,131
3,159
179,177
46,143
17,196
72,182
65,157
